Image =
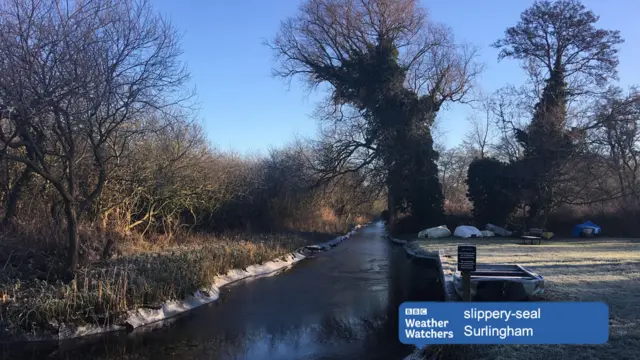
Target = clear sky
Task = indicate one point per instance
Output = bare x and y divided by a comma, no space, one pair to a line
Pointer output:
243,108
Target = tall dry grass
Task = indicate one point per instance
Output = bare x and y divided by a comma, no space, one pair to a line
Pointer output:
164,226
102,292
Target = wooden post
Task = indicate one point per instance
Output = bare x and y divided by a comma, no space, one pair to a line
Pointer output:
466,285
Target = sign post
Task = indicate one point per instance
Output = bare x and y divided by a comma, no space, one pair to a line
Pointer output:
466,264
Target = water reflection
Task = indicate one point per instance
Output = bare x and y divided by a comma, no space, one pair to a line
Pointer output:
340,305
331,338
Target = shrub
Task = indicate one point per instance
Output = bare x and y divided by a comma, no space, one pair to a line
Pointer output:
490,191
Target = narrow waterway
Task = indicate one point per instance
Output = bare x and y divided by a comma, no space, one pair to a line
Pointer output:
341,304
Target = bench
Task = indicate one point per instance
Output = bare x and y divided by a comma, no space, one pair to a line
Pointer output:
531,239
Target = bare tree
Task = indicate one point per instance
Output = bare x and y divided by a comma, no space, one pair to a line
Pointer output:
559,43
74,74
480,139
561,36
453,164
615,139
326,34
339,43
510,109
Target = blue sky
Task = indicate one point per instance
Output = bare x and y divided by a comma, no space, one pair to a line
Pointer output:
244,109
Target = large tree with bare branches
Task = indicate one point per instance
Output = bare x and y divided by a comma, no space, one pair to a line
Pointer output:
390,70
561,36
75,77
567,56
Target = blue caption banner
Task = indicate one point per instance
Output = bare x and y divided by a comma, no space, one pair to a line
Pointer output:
424,323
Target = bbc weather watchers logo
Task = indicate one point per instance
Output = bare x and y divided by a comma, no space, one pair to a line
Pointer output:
503,323
415,311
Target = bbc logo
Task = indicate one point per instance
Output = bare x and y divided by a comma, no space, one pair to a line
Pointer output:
415,311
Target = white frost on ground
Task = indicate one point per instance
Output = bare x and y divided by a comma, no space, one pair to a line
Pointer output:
86,330
141,317
331,243
416,251
145,316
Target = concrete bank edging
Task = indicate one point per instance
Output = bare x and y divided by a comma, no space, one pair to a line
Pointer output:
445,281
397,241
437,259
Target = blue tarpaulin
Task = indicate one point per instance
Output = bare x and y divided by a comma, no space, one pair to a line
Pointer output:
587,225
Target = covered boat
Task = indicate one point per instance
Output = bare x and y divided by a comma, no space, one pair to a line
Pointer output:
499,282
435,232
498,230
466,231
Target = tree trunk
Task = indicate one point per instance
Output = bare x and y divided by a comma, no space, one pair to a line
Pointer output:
14,195
391,206
72,231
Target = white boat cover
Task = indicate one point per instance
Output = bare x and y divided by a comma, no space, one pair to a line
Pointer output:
435,232
498,230
487,233
466,231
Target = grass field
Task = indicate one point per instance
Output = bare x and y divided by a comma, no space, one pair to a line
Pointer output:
602,269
